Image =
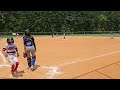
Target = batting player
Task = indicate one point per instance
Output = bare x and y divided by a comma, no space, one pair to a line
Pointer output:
29,48
10,50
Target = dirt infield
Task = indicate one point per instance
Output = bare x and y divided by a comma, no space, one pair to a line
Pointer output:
76,57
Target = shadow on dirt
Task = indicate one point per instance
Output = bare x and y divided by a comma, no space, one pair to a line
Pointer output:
35,67
20,73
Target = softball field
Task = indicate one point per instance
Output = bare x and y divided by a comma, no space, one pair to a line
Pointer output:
76,57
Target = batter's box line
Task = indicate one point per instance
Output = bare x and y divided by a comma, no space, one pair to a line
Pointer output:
6,65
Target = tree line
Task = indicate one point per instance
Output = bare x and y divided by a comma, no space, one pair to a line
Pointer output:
59,21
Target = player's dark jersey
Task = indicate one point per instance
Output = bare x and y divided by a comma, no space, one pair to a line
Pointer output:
29,41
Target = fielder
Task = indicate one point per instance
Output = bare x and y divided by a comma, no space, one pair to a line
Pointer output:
29,48
17,34
10,50
57,34
64,35
52,35
111,35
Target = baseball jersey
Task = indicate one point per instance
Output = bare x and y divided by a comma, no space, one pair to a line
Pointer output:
29,42
11,48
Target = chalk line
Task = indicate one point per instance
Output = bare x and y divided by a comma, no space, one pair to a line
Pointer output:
87,59
5,65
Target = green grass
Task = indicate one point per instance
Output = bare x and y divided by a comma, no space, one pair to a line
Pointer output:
102,35
105,35
6,36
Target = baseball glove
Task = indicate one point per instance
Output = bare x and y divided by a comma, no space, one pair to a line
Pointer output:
25,55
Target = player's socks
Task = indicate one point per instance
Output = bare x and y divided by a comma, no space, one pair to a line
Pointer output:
33,60
17,63
29,62
12,68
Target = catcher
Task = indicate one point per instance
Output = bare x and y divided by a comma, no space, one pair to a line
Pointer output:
10,50
29,49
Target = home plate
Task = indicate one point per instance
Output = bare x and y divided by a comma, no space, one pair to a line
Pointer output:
52,72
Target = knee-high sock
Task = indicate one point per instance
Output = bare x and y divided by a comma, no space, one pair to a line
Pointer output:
16,66
12,67
29,62
33,60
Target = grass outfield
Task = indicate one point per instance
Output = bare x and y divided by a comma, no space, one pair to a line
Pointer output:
105,35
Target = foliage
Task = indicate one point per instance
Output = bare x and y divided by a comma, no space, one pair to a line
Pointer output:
59,21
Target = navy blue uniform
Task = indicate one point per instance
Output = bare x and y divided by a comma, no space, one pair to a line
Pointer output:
29,41
30,46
